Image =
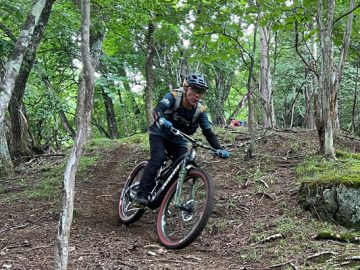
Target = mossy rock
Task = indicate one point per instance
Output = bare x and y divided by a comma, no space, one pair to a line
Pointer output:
331,188
333,201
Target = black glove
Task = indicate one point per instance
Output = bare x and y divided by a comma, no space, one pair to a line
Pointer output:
165,125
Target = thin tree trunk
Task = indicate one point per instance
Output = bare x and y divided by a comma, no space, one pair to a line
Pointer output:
265,79
149,74
110,115
184,69
309,121
325,80
292,107
223,86
353,112
66,124
96,40
20,142
8,82
135,109
64,121
124,113
329,81
251,147
240,105
312,89
66,216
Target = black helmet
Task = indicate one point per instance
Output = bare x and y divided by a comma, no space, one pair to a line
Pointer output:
196,81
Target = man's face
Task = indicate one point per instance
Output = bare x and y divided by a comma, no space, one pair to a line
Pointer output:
193,95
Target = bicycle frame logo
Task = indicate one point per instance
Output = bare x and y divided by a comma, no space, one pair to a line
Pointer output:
169,178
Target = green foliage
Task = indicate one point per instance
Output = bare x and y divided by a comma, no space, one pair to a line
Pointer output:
346,100
289,88
51,177
48,182
102,143
347,155
141,140
220,38
13,14
287,225
46,189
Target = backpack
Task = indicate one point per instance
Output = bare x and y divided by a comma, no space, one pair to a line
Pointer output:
179,93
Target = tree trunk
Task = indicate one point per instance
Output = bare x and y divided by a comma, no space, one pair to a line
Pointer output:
329,81
8,82
20,139
223,86
62,251
312,89
354,116
66,124
184,70
240,105
64,121
134,109
292,107
6,166
169,70
124,112
149,74
265,80
250,149
110,115
309,121
96,40
326,87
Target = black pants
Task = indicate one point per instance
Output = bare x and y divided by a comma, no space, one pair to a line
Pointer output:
158,144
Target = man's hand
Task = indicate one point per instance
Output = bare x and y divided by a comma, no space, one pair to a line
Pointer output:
222,153
165,125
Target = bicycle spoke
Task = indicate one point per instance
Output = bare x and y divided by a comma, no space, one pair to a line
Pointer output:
181,224
128,212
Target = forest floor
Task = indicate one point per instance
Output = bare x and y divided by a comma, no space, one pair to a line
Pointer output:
257,221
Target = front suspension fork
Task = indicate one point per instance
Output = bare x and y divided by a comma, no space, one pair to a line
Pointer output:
182,174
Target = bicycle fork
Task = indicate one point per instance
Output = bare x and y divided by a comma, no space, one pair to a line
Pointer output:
182,174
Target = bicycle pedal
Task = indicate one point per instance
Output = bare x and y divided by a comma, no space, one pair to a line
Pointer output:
139,206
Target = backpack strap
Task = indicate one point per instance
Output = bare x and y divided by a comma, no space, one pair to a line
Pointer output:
199,109
178,94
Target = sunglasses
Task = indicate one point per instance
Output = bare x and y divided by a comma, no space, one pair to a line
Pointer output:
198,91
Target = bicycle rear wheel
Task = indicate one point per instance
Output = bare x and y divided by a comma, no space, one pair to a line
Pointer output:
177,227
128,211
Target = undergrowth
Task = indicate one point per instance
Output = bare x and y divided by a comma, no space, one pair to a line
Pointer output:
344,170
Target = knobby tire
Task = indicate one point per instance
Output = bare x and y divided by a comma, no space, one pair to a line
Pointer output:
178,228
128,211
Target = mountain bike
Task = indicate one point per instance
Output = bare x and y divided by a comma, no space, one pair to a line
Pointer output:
184,194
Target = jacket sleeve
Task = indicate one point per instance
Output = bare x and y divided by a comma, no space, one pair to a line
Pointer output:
167,102
205,126
211,138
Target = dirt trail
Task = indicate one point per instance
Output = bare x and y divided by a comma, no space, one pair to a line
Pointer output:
256,224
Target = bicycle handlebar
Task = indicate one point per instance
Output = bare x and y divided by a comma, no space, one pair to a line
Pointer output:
190,139
187,137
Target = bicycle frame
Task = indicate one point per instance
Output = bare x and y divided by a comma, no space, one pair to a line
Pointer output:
182,167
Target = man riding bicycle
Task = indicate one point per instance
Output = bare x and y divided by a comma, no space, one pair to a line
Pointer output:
182,110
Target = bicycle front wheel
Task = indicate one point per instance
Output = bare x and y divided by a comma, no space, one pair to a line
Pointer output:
128,211
179,225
